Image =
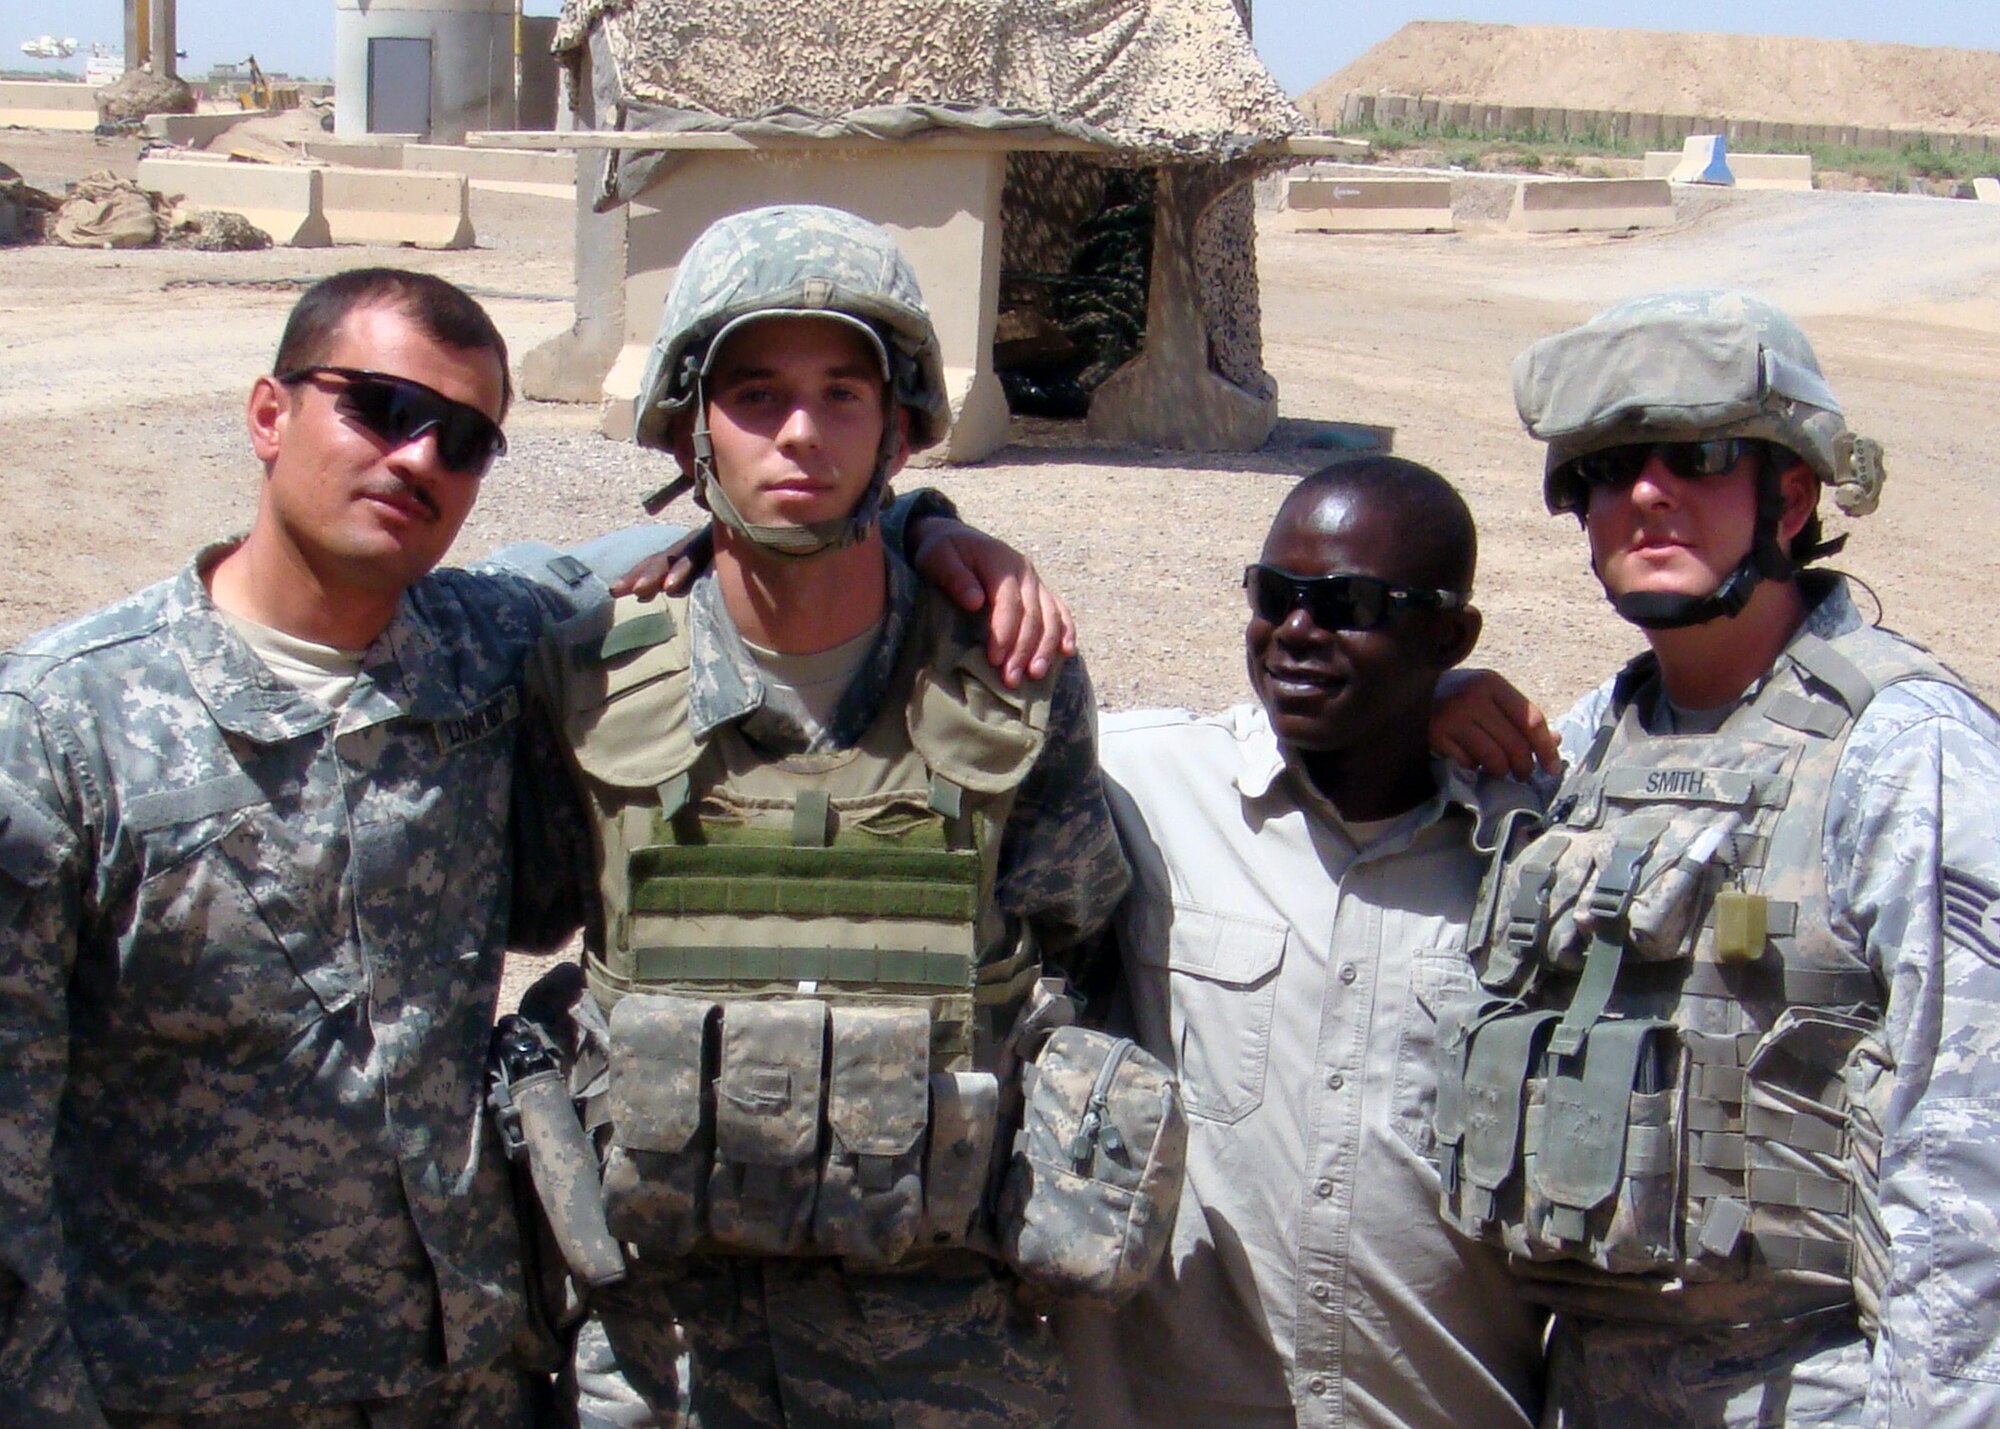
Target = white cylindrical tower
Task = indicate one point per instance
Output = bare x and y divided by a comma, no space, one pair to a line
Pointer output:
436,68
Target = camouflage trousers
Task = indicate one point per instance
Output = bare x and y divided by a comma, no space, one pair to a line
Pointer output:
1615,1374
496,1396
808,1344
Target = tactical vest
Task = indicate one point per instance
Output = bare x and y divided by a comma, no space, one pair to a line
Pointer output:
802,958
1676,1081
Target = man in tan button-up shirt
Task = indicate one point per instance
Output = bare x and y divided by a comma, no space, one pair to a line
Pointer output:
1304,870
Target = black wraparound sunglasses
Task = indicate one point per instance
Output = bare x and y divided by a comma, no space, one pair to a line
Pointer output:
398,411
1337,602
1620,466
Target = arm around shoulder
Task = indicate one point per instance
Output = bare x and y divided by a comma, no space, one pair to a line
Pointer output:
1061,867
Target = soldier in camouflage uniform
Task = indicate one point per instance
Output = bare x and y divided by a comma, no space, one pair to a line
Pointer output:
809,694
1732,1104
255,885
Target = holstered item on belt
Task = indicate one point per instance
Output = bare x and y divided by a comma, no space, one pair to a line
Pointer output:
531,1101
563,1165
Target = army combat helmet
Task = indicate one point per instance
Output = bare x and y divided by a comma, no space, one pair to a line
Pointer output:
792,260
1695,366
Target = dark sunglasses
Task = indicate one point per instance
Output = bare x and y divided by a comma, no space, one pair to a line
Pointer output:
1620,466
399,411
1337,602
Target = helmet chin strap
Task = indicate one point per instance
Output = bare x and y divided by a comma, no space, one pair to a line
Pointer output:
796,540
1668,610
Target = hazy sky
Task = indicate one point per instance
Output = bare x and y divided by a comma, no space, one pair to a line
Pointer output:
1303,41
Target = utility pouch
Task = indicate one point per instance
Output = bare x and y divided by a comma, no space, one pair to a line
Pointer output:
1798,1156
1087,1207
1482,1110
768,1094
1604,1186
958,1163
656,1168
870,1202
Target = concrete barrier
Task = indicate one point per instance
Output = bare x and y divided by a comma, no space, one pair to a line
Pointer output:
195,131
1704,160
46,104
285,202
377,152
1986,190
1591,205
522,171
1751,171
393,206
1344,205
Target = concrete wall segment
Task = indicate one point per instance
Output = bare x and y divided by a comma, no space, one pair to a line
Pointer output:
287,202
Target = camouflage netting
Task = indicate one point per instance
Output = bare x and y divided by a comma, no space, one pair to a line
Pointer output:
1167,77
1148,82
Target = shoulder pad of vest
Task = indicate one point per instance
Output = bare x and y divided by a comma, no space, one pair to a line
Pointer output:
624,706
963,719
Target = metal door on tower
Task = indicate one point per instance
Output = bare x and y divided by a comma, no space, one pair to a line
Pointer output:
399,86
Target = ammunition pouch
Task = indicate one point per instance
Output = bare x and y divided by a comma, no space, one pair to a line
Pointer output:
800,1126
1655,1151
791,1126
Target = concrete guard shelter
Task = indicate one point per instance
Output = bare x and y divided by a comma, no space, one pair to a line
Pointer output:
991,136
436,68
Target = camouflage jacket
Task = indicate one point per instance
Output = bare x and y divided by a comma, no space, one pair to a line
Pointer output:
1911,858
249,952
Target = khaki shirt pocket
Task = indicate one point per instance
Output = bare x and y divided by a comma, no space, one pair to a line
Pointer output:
1222,975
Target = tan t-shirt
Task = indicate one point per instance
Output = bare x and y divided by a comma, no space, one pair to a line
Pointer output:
325,672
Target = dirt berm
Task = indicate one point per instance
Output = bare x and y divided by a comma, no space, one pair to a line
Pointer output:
1761,77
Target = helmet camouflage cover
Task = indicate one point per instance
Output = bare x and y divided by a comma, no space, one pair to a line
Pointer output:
794,260
1688,366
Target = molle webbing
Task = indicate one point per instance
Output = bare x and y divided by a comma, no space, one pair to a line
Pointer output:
858,967
749,879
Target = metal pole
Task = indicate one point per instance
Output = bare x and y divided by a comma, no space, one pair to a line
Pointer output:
166,34
138,36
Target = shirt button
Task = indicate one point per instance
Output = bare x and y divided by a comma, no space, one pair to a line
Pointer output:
1322,1189
1317,1384
1347,973
1335,1080
1321,1291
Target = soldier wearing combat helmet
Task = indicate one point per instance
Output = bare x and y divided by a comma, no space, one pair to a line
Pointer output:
1730,1102
840,863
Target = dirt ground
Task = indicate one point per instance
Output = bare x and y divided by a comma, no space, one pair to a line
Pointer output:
122,378
1768,77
